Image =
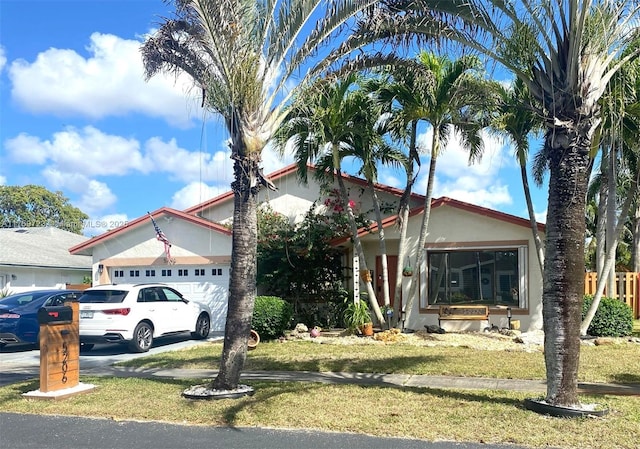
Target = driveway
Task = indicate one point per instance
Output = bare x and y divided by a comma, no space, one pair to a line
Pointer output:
21,362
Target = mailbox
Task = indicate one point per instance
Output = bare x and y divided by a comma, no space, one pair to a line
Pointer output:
55,314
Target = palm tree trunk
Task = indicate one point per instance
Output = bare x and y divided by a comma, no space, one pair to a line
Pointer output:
609,266
424,228
563,289
601,222
373,301
242,282
403,219
532,217
383,247
611,239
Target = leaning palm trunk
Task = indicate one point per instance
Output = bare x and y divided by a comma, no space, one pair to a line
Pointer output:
365,276
604,276
532,217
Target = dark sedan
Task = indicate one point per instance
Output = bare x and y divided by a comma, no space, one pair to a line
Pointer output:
19,313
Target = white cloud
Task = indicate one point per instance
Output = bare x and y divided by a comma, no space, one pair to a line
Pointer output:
110,82
195,193
477,183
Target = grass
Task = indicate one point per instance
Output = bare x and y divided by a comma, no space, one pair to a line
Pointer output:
433,414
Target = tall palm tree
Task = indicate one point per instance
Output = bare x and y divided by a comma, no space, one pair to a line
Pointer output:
518,121
328,122
565,53
244,55
401,90
459,101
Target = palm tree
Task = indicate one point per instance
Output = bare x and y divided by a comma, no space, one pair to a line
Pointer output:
565,53
328,122
245,55
518,120
459,101
402,89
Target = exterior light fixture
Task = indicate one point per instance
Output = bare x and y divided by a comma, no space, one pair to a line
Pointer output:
100,268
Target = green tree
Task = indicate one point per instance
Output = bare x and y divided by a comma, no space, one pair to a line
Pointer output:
565,54
245,55
31,205
325,124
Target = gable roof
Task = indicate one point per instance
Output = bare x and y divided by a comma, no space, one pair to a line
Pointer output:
41,247
84,247
291,169
445,201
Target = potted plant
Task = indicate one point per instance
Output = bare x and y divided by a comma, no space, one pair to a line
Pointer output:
358,319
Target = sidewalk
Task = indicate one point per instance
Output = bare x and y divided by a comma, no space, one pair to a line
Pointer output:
391,380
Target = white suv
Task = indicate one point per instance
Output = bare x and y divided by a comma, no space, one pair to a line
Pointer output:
138,313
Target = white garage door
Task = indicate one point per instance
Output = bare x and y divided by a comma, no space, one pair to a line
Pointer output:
207,284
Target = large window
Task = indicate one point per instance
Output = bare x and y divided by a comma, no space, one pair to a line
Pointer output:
477,276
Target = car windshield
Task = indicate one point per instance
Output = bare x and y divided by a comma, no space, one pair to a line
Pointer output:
20,299
103,296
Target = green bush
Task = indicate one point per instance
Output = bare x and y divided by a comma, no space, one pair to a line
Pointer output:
613,318
271,317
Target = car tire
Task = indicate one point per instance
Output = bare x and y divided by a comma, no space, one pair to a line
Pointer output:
142,337
203,327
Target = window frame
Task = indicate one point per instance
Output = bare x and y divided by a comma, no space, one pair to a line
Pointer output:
520,246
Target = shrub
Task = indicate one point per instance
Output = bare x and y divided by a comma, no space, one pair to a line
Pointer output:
613,318
271,317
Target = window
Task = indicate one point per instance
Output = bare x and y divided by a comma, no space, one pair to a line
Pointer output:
150,273
184,272
166,273
118,273
199,271
134,273
216,271
477,276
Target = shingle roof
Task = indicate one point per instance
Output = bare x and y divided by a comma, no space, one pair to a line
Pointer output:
41,247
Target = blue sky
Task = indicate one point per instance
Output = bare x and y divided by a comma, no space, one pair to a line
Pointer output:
76,115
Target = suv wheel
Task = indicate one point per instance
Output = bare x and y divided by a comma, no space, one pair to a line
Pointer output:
203,326
142,337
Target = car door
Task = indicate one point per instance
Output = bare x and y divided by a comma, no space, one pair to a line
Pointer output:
156,309
181,312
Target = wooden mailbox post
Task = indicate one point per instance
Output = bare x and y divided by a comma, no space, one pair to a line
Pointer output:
59,347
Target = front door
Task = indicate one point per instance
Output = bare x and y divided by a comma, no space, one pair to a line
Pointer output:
392,268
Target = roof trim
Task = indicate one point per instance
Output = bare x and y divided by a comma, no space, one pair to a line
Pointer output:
143,220
292,168
446,201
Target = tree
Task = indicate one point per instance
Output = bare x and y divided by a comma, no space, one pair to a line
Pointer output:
326,123
459,101
31,205
517,120
244,55
565,54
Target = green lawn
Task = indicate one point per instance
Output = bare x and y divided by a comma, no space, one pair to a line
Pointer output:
434,414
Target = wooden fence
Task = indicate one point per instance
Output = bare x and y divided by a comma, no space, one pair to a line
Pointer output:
627,289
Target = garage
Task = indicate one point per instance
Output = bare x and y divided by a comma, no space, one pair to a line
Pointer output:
207,284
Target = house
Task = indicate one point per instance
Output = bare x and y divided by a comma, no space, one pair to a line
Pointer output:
473,255
38,258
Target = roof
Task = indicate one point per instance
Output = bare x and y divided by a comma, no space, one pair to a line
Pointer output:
291,169
41,247
84,247
445,201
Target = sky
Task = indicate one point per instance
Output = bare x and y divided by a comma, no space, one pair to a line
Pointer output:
77,116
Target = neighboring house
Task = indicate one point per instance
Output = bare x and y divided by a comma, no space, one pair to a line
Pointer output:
38,258
475,255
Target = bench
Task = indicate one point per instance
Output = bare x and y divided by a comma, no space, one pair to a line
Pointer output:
463,312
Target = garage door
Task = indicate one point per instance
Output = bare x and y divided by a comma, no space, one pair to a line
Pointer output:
207,284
